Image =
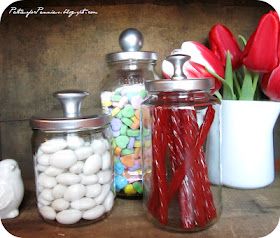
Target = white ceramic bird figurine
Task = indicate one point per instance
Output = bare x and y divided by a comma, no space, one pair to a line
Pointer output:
11,189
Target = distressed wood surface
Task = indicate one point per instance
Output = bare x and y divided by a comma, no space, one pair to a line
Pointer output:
246,213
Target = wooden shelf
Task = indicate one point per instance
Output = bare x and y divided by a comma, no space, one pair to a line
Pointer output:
246,213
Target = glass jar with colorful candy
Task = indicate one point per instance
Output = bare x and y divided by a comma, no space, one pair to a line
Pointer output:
123,93
178,119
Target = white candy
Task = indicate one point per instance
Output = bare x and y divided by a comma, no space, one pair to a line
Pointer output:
109,202
93,190
68,217
47,212
47,195
87,144
63,159
106,96
74,141
104,192
92,165
46,181
77,168
60,204
53,145
44,159
75,192
40,188
106,143
43,202
41,168
122,102
58,191
98,146
104,176
39,153
94,213
89,180
53,171
106,160
68,179
83,204
84,152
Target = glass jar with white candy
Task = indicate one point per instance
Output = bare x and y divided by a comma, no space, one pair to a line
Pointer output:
73,164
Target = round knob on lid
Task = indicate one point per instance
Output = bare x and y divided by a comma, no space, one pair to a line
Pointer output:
178,62
71,101
131,40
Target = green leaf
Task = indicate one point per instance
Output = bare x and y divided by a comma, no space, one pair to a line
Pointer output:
228,93
226,86
242,40
247,90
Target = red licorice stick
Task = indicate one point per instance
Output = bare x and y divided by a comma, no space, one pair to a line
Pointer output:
159,141
197,173
190,135
180,173
183,145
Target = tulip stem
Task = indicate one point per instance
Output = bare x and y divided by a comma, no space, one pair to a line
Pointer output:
255,82
218,95
236,84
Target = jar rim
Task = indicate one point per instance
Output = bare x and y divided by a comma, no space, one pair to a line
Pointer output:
66,124
205,84
133,55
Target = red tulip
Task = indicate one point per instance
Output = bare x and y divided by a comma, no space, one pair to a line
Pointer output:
261,51
222,40
201,58
271,84
200,54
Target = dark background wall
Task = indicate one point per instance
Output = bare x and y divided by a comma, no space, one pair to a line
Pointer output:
43,54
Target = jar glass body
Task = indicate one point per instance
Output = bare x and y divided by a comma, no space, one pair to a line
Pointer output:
73,175
121,97
180,191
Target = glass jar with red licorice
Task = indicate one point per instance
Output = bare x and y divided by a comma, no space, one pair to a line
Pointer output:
182,189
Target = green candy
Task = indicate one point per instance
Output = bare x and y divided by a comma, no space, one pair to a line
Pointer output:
122,141
128,111
127,121
133,133
143,93
118,91
127,152
114,144
116,98
138,187
119,115
123,130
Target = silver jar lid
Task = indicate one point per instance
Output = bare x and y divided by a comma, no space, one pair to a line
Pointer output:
72,120
131,42
179,82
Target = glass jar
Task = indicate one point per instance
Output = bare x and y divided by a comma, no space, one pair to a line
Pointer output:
182,190
121,97
73,164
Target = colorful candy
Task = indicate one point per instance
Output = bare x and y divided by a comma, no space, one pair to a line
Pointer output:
124,106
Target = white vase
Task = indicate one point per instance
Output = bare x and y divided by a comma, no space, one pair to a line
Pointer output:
247,155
